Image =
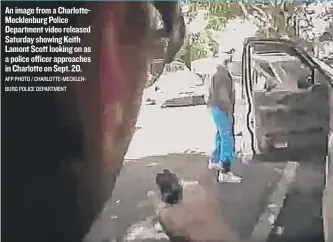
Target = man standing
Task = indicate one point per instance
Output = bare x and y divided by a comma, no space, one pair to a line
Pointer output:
221,106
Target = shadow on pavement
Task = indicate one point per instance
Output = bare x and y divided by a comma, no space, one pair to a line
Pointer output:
300,219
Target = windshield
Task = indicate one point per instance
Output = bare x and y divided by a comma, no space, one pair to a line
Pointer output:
264,48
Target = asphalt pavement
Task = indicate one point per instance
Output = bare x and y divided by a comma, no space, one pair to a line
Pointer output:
276,201
300,219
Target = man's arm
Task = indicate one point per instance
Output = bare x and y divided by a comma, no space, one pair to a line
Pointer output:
209,90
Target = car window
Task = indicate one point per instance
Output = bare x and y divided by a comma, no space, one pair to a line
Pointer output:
267,69
261,48
263,77
281,71
296,73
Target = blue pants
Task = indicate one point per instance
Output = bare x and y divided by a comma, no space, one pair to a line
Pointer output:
224,140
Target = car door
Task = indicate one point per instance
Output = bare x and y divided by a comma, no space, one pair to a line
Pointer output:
287,100
328,191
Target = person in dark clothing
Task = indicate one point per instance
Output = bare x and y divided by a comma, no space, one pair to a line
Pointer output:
221,103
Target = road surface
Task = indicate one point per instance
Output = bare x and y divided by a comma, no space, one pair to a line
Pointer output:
286,194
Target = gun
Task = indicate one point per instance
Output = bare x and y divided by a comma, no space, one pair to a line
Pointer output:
170,187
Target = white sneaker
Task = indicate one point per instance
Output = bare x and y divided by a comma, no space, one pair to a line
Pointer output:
228,177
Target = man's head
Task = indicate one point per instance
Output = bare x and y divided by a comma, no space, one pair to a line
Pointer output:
226,61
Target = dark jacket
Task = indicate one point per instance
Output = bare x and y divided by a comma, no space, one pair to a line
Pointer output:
220,90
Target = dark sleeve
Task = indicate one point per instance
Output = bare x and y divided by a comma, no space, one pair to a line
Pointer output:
232,88
210,89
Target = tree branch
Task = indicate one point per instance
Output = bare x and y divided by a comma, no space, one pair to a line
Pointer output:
260,11
245,11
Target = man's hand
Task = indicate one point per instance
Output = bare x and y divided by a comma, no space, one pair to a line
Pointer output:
195,218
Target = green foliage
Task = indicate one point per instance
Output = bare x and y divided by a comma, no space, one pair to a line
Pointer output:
217,15
200,47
